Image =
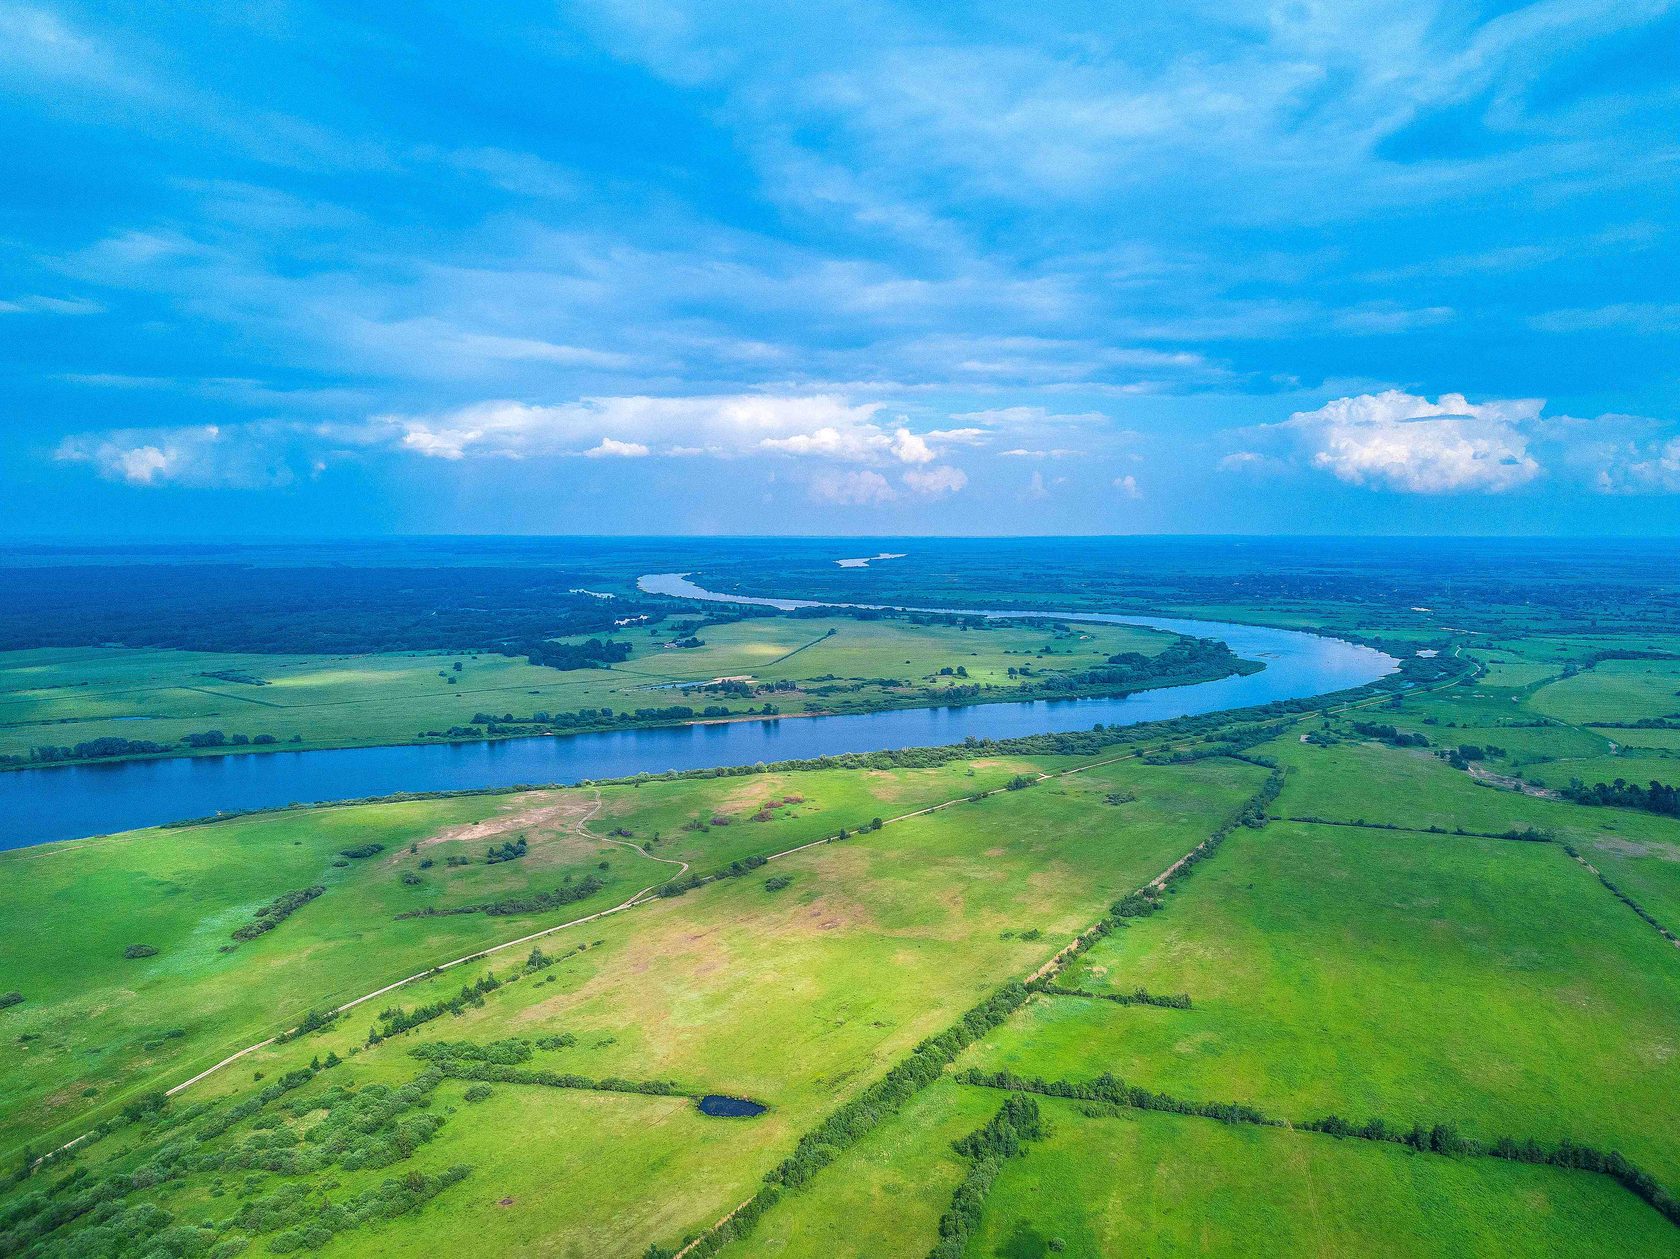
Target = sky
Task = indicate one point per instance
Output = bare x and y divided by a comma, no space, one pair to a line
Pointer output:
1318,266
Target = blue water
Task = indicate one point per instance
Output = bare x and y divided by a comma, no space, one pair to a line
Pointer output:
65,802
721,1107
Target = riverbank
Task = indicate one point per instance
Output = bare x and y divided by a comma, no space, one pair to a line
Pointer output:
42,805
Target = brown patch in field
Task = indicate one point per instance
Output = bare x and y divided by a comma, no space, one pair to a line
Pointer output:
994,852
1638,848
747,798
557,813
63,1097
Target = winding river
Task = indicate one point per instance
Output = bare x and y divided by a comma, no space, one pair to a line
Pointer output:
42,805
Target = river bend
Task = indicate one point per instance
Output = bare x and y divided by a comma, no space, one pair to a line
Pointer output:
65,802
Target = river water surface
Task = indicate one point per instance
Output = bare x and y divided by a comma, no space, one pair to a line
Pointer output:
65,802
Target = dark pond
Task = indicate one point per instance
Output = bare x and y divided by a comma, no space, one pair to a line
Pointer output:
720,1107
39,805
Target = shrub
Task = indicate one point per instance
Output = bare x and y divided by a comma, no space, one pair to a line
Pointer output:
139,950
277,911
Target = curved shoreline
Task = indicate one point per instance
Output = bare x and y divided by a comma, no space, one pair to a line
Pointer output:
70,802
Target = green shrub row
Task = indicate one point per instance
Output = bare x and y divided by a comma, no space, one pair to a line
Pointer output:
1004,1137
1176,1001
1109,1090
276,912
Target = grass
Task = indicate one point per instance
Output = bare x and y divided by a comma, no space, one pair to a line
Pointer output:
798,998
885,1195
96,1020
1644,864
70,695
1164,1185
1617,690
1487,983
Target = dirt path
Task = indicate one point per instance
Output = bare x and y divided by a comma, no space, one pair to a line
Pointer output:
1506,783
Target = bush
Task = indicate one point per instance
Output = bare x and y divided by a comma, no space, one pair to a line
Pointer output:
277,911
139,950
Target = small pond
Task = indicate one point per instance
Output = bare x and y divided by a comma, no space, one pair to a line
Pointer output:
720,1107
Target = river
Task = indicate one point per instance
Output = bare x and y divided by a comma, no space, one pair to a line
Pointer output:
66,802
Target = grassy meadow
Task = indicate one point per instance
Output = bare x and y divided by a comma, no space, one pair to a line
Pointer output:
1165,1185
1405,916
65,696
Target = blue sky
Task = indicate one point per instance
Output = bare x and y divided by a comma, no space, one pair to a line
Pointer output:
839,268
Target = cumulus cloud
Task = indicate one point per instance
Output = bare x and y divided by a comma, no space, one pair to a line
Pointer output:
852,489
1128,486
200,456
934,482
1395,440
1640,469
611,448
817,426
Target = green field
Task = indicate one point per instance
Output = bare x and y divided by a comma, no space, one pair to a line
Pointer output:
1163,1185
1375,974
97,1020
65,696
1394,912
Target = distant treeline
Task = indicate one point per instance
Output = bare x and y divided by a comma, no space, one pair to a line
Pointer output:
247,608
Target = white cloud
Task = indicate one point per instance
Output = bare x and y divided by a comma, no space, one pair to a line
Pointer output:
1661,470
852,489
35,304
198,457
612,448
1384,318
910,448
933,482
1633,469
815,426
1057,453
1242,461
819,425
1128,486
1397,441
1647,317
